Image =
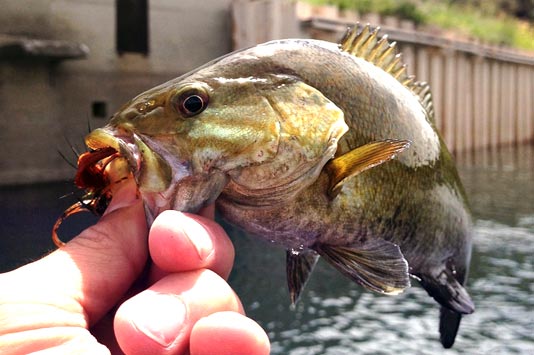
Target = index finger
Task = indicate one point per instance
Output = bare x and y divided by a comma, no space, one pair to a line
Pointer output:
184,242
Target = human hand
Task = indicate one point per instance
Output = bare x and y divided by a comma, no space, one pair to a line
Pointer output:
65,302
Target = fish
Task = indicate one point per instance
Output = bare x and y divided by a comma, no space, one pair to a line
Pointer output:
328,150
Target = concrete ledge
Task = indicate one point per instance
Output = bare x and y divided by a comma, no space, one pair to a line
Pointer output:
17,47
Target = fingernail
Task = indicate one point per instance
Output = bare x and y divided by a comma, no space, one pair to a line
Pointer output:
198,236
162,321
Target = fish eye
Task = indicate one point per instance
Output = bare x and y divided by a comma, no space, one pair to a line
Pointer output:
191,102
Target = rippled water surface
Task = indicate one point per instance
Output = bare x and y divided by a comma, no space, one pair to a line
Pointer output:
336,316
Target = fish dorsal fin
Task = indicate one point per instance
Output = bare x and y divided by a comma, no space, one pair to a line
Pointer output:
350,164
363,42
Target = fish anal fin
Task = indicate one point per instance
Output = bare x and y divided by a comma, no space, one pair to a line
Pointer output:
299,266
442,285
376,264
360,159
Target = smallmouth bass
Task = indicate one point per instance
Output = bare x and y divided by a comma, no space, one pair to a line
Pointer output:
327,150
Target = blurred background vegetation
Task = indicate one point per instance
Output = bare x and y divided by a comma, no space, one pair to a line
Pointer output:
498,22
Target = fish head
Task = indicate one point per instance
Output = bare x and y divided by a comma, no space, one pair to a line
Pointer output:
187,140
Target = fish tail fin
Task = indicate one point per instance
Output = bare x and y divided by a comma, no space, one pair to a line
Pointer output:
375,264
449,322
442,284
447,291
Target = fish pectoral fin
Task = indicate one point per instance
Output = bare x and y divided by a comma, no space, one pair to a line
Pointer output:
377,265
360,159
299,265
443,286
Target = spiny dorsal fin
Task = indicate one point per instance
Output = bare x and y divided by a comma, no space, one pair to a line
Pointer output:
363,42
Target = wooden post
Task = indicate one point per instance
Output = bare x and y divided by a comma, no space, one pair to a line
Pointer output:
478,105
421,69
513,98
437,84
505,109
469,87
495,104
450,101
461,103
529,90
485,93
521,127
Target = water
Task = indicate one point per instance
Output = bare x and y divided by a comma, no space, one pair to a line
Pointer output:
336,316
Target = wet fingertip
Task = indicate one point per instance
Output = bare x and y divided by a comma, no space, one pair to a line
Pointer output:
175,230
224,333
221,257
150,322
182,241
175,245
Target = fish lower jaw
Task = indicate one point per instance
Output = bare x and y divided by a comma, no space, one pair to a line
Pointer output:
189,194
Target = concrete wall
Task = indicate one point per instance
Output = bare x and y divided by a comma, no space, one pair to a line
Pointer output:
43,101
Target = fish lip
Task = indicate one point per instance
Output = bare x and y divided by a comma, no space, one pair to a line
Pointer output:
120,140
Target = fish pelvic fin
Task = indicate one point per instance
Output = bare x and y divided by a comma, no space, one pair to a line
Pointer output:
350,164
443,286
299,266
377,265
363,42
449,322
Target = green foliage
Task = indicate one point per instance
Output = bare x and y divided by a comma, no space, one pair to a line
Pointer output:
406,10
482,23
490,21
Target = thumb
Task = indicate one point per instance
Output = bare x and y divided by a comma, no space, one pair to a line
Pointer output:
91,272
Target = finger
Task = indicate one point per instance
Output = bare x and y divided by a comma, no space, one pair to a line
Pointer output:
182,242
89,274
225,333
60,340
159,320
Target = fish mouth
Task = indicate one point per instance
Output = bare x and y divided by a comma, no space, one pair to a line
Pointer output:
101,170
151,172
117,144
114,156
